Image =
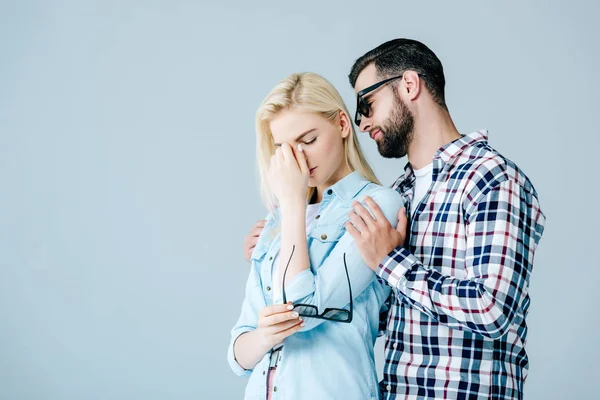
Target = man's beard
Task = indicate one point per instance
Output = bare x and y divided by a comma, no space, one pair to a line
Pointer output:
397,133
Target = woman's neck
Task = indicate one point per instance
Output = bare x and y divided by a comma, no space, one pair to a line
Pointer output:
335,178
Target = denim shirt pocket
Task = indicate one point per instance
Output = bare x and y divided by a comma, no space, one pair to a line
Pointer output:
322,240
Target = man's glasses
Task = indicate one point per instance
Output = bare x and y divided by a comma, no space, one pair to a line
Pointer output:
362,107
310,311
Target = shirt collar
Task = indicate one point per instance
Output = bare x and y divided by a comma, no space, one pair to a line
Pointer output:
347,187
451,150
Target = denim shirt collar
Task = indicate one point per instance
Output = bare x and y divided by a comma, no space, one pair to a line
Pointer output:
347,187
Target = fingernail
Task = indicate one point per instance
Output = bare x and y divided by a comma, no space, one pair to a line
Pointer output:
300,147
295,315
290,307
302,325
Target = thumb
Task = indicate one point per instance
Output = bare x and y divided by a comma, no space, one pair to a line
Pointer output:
301,157
402,221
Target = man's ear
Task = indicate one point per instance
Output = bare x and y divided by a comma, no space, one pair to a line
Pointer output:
410,85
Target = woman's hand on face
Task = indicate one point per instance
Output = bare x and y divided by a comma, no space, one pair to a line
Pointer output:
277,322
288,175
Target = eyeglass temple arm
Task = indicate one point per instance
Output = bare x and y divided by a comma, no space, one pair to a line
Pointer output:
345,268
285,273
348,278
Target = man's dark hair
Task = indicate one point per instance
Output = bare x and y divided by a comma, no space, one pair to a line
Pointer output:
398,55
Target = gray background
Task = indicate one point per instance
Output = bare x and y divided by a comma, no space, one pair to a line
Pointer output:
127,178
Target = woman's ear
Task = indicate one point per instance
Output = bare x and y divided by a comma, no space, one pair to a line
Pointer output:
344,123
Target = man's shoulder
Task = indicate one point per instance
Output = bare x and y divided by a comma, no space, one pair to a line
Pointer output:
485,168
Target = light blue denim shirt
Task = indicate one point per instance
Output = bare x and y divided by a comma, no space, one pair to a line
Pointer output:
325,360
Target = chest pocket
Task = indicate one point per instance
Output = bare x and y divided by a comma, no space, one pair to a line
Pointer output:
322,240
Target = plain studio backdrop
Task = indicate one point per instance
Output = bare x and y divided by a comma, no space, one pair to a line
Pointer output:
128,180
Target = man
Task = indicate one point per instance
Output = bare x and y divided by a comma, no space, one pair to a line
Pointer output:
460,259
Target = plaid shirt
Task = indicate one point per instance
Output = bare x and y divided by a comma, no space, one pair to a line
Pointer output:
456,326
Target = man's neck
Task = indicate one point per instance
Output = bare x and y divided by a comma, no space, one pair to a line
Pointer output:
433,129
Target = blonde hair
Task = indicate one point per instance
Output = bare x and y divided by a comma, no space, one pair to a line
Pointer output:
306,92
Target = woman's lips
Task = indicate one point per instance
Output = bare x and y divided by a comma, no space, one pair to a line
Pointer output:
312,170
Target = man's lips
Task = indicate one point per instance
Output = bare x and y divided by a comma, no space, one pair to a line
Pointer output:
375,133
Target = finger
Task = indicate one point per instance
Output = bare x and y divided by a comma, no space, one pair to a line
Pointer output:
276,319
288,332
358,222
260,223
276,309
275,156
256,231
402,221
250,247
286,151
302,163
375,209
250,241
284,326
363,213
355,233
248,254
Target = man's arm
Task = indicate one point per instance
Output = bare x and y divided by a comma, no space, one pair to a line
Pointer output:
503,230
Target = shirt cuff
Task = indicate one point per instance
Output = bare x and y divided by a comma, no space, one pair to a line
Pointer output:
301,286
395,265
235,366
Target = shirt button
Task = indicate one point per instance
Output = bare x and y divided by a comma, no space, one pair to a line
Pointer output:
268,288
394,345
329,191
275,389
270,258
323,236
264,372
317,217
388,387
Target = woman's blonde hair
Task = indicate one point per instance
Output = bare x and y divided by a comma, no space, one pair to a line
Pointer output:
306,92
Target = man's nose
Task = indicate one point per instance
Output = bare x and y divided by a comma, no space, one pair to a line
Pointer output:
365,124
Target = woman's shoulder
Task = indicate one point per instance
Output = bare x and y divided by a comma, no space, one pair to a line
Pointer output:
380,194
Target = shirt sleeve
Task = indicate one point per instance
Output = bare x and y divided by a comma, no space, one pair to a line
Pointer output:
503,227
248,319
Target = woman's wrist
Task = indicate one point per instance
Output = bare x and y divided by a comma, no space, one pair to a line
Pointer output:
293,205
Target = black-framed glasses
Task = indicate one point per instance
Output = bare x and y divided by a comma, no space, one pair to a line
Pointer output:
362,107
310,311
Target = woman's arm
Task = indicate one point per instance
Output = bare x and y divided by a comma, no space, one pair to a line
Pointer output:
293,233
259,328
327,287
275,323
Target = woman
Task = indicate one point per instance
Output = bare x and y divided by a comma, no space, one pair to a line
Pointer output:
311,171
